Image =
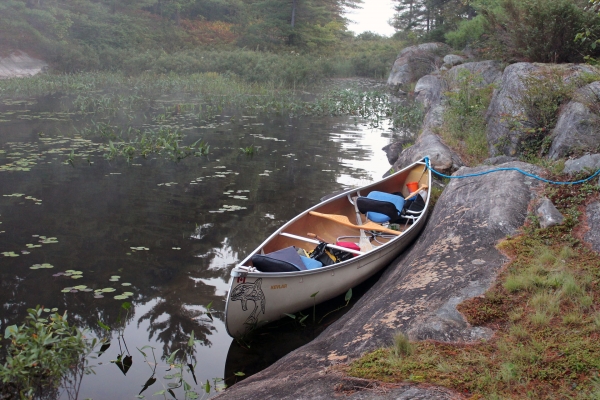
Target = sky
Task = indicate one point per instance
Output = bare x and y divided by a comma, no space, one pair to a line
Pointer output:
373,17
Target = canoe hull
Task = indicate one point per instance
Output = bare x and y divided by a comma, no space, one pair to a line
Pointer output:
255,297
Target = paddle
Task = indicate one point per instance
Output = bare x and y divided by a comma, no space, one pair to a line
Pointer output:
342,219
364,242
416,191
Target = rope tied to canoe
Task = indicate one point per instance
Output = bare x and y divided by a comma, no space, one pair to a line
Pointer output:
539,178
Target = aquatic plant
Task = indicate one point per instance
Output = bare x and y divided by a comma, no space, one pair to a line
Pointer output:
248,150
41,353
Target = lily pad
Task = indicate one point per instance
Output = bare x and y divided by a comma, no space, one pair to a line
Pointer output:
98,296
80,287
76,276
120,297
109,290
125,284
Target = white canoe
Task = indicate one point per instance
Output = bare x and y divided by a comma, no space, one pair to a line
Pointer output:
258,297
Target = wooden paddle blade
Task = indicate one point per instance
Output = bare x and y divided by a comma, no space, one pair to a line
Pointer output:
342,219
416,191
364,243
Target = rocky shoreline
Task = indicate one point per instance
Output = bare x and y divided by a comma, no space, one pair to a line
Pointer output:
455,258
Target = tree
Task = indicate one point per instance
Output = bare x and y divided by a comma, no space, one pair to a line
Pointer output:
425,16
296,22
408,15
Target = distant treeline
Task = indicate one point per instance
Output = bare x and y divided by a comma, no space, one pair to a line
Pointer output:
286,41
289,42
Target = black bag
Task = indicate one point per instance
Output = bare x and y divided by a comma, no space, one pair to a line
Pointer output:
328,256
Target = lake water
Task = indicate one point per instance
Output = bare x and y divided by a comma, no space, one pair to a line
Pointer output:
159,234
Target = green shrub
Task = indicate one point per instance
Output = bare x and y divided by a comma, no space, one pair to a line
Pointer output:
41,352
541,30
464,119
468,31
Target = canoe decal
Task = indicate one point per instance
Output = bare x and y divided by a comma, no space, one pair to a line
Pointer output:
250,291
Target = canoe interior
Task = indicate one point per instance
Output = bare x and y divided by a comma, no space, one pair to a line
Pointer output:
330,231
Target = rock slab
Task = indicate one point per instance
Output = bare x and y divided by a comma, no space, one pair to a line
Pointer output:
578,125
414,62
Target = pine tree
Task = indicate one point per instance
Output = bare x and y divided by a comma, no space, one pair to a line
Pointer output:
409,14
297,22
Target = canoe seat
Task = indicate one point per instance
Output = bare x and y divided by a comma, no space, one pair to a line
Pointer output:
284,260
380,206
412,209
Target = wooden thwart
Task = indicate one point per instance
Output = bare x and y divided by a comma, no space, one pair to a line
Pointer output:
342,219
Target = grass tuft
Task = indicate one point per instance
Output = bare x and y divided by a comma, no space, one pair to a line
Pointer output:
402,346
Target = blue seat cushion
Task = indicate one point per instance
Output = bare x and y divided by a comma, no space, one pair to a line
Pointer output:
284,260
386,213
310,263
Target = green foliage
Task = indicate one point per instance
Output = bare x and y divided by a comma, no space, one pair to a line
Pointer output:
41,352
431,19
248,150
307,24
590,34
467,32
134,37
540,30
464,119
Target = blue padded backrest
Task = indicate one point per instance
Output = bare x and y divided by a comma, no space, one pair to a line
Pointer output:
397,201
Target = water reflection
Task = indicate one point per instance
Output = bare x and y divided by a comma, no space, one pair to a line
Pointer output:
170,231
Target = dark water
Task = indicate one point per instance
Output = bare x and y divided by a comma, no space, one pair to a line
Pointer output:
170,231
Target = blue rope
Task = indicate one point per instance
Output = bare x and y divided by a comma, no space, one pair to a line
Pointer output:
509,169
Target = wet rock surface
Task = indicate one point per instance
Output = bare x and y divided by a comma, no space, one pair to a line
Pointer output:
454,259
